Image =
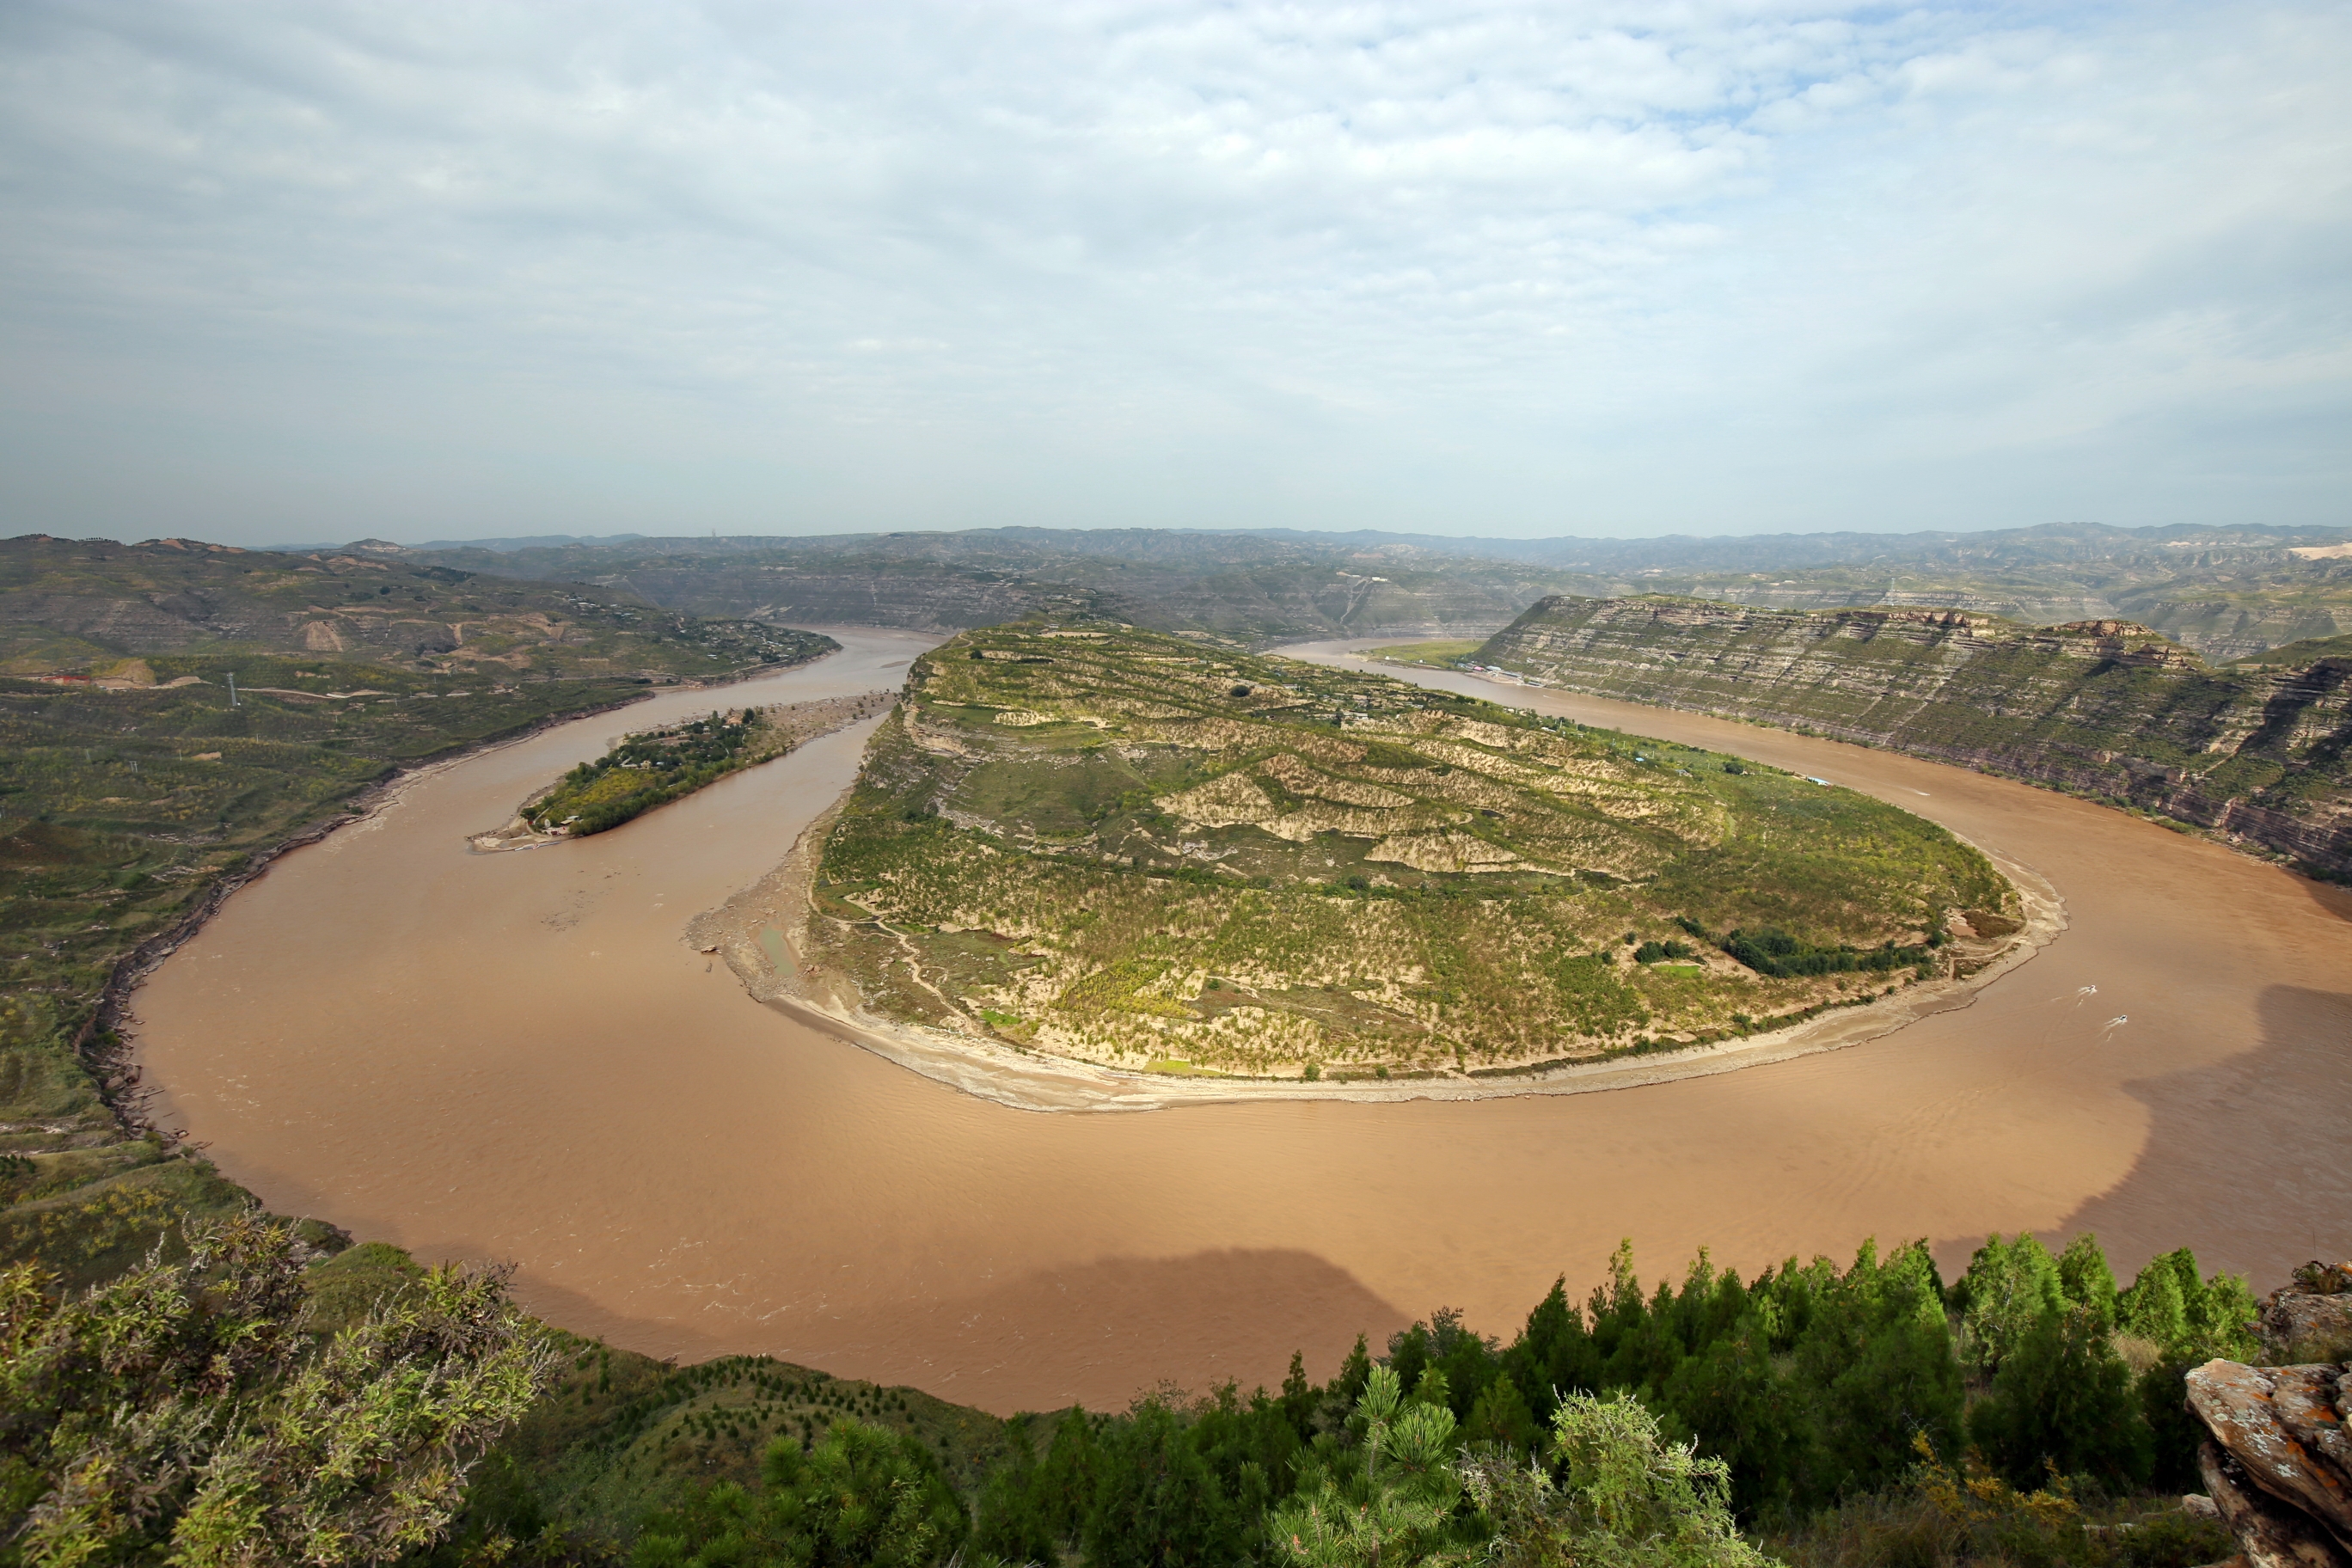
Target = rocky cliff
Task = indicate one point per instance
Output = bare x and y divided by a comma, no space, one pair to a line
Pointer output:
2276,1463
2103,708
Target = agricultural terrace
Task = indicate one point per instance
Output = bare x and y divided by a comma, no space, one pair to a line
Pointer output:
1155,852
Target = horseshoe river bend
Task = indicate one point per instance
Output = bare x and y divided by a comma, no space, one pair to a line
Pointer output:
518,1056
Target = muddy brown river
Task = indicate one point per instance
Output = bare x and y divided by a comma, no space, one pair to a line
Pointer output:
516,1056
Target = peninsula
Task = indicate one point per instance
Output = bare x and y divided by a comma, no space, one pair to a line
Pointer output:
1157,854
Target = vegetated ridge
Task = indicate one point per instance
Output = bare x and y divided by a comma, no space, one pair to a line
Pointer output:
2101,708
2032,1412
1154,852
1862,1413
89,606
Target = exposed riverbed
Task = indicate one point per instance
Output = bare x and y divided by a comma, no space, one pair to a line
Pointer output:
516,1056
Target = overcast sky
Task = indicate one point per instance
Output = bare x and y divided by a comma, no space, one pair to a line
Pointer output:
312,271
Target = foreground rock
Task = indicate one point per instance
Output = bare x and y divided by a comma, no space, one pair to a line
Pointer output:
2311,1319
2277,1462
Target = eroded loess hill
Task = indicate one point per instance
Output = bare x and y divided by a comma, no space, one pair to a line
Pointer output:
93,606
2103,708
1146,851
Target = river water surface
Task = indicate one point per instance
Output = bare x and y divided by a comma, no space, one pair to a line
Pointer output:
515,1056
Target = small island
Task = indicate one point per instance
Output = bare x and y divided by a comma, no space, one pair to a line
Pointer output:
1161,855
652,767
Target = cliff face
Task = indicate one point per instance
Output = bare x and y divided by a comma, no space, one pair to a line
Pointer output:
2108,708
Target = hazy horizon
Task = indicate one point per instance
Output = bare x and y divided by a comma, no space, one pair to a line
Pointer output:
282,272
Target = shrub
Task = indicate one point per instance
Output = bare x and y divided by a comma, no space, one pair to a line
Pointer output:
862,1496
183,1410
1625,1497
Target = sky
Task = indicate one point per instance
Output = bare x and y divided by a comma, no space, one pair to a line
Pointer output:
277,271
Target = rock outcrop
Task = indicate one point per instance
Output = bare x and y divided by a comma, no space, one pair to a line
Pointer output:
2277,1463
2103,708
2310,1320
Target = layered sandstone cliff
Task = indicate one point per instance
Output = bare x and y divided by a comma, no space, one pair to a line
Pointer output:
2103,708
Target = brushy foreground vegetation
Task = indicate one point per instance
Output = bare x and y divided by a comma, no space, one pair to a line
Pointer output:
236,1408
197,1412
1138,849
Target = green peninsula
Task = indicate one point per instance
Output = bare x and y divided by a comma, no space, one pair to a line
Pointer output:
1152,851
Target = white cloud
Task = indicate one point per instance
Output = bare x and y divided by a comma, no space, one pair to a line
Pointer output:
302,268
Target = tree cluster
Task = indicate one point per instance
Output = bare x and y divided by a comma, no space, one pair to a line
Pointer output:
1629,1428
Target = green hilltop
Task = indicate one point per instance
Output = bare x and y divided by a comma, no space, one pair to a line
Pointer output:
1156,851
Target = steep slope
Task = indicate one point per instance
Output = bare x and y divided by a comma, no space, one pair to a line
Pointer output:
1144,851
2103,708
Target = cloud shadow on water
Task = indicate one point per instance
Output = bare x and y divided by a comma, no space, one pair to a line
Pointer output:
1096,1333
2246,1160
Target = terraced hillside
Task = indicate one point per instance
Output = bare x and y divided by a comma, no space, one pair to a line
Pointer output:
87,605
1155,852
2105,708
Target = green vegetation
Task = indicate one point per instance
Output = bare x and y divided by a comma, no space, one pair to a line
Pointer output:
192,1412
861,1497
1438,653
621,1443
1138,849
654,767
1830,1417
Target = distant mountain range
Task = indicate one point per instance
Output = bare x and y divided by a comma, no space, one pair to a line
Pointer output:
2226,592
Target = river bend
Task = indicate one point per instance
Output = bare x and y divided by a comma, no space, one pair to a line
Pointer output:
516,1056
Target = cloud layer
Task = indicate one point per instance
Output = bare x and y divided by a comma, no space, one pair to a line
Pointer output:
310,269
